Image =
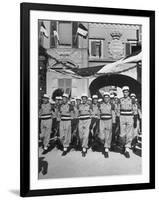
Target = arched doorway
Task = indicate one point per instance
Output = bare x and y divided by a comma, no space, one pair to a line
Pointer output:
117,80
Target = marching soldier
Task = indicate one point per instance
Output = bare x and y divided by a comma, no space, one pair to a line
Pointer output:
65,112
135,124
116,124
135,109
84,123
95,117
78,101
139,114
53,117
126,120
45,113
107,117
89,101
112,100
60,99
56,100
74,123
57,119
100,101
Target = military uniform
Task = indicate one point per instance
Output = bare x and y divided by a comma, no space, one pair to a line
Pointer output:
45,114
84,123
65,124
107,116
56,119
126,121
74,125
116,125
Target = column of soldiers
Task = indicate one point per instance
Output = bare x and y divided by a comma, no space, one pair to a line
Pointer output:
84,120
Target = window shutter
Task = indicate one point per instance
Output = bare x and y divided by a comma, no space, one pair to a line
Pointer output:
52,38
74,35
127,49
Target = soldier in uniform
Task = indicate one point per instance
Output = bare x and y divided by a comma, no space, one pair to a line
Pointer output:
60,100
94,127
57,119
78,101
84,113
65,113
107,117
74,123
56,100
89,101
53,118
126,120
135,109
117,122
100,101
112,99
45,114
135,124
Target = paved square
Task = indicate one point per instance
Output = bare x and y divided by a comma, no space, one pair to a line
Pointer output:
94,164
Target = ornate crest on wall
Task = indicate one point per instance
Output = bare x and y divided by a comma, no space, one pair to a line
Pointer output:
116,46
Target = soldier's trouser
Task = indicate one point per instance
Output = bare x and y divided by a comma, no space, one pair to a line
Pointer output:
46,126
65,132
126,129
83,128
105,127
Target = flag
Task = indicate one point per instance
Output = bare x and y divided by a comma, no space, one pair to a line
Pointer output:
82,31
108,68
136,57
43,30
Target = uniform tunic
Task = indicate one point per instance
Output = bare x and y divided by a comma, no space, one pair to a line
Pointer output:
45,114
84,124
126,121
65,124
107,116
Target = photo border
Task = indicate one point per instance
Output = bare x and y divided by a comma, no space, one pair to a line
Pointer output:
25,99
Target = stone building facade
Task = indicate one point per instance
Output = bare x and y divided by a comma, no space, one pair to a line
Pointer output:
69,51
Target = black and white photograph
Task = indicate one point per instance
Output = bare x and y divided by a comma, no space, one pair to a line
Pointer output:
90,102
87,99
